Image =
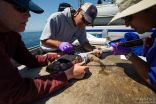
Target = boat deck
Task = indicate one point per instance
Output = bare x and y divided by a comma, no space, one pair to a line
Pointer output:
110,81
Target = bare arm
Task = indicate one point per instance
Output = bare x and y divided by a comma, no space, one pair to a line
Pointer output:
87,47
51,43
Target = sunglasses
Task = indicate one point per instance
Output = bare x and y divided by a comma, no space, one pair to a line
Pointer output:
17,7
128,18
85,22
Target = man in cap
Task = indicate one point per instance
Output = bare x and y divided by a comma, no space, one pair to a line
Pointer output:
14,88
140,15
63,28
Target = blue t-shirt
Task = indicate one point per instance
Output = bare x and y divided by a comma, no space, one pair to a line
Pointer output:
151,59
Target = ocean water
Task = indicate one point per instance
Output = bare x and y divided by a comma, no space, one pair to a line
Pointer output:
31,38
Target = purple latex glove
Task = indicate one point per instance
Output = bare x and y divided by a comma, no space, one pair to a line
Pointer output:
120,50
66,47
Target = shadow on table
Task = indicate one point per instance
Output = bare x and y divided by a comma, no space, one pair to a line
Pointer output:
130,72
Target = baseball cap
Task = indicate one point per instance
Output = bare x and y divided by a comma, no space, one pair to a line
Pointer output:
129,7
89,11
28,4
63,5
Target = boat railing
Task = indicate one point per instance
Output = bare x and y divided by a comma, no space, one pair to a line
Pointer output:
35,49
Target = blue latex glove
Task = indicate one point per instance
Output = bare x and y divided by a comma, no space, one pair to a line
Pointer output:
66,47
120,50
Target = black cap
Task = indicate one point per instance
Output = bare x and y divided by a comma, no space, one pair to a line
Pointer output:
28,4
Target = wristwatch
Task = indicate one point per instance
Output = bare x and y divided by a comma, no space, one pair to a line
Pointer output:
129,55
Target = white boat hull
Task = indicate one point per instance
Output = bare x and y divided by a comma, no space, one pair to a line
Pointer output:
101,21
106,11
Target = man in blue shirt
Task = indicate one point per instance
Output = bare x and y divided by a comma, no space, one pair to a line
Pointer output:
140,15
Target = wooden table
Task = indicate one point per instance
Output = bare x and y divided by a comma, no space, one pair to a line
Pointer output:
113,81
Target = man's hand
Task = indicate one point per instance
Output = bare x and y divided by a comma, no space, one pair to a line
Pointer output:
76,72
66,47
97,52
52,56
120,50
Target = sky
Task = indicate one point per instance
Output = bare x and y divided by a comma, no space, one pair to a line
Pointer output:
37,21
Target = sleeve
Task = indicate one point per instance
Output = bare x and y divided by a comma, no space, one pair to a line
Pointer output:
51,28
151,59
17,90
24,57
82,37
152,75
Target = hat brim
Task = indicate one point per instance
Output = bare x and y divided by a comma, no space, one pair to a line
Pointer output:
28,4
88,19
140,6
35,8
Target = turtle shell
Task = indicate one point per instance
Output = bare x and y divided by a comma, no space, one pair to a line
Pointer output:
63,63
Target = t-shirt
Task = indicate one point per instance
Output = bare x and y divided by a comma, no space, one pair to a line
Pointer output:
13,88
151,59
60,26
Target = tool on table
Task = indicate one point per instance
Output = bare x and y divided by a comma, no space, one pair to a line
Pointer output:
132,43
